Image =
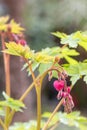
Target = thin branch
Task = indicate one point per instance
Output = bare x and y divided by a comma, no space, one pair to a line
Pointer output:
53,113
2,124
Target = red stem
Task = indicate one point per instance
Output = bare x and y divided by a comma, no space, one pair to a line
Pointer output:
6,65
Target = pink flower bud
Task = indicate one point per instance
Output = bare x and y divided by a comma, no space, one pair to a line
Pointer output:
64,94
72,103
58,85
22,42
68,89
59,96
70,97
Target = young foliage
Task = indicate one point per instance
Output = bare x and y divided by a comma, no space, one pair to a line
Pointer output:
82,36
76,71
15,28
45,56
35,65
18,50
24,126
72,119
74,39
3,21
67,39
10,102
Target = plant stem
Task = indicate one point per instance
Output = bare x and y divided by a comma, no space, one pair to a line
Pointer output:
6,58
52,115
2,124
26,92
38,91
6,65
56,124
11,114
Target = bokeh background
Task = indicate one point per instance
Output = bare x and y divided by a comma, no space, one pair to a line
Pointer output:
40,18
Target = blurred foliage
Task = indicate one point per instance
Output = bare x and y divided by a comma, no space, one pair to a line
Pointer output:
41,17
45,16
11,103
73,119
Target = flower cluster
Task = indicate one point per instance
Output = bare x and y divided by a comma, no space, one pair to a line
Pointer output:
64,92
18,38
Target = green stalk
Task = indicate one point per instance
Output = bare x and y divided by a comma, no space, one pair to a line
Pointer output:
38,91
56,124
52,115
3,125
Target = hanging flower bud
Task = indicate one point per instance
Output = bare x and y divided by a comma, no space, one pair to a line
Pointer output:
64,94
50,76
59,96
68,89
22,42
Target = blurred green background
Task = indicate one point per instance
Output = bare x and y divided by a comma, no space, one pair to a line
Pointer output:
40,18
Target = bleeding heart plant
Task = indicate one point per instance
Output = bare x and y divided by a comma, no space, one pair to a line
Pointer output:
47,62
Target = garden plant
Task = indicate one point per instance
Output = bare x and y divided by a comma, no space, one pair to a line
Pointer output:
48,63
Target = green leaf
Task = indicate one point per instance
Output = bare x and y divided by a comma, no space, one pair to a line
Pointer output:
35,65
53,121
76,71
83,44
85,61
73,119
3,21
43,58
69,52
19,50
31,125
10,102
59,34
74,79
70,60
43,67
82,36
15,27
70,40
85,79
46,114
67,39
